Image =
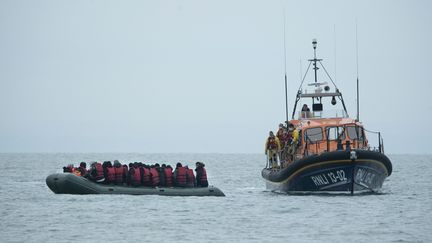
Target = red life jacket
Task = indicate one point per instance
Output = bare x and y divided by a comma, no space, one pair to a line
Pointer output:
110,174
154,177
135,176
203,179
168,176
99,172
146,178
118,174
180,179
190,178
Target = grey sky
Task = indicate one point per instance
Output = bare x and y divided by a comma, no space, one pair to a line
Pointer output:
201,76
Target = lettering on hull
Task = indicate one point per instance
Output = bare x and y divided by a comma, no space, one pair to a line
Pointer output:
328,178
364,177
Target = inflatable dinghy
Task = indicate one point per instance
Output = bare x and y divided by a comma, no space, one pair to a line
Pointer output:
68,183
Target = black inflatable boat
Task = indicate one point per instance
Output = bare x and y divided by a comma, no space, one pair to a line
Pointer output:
68,183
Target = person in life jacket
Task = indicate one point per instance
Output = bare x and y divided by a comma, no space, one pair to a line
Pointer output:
96,172
281,134
109,172
180,176
71,169
168,175
83,169
292,142
118,172
125,173
190,177
146,177
272,148
154,174
201,175
134,174
292,134
68,169
161,171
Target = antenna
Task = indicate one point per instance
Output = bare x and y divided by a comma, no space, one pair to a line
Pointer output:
286,82
358,94
334,37
300,70
314,44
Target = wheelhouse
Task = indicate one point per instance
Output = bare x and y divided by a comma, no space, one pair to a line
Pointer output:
330,135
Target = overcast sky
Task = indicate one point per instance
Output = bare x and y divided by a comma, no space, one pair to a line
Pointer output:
202,76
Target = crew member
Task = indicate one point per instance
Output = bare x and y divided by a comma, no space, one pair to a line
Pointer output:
292,142
305,111
201,175
281,134
272,148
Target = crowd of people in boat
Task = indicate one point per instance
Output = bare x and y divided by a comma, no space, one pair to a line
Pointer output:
139,174
282,146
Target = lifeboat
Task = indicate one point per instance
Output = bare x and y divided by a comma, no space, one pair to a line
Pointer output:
332,153
69,183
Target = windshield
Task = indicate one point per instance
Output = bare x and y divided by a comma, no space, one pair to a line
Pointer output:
313,134
335,133
354,133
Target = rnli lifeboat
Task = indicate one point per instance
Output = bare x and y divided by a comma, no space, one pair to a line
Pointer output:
332,153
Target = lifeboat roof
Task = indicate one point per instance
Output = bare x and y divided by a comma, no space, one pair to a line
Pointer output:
324,122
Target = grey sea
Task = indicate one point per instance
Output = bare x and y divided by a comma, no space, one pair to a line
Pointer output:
30,212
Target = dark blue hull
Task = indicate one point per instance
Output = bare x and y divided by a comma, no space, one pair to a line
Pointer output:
336,172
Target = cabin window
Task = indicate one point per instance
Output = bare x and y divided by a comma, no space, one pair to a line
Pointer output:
335,133
313,134
354,133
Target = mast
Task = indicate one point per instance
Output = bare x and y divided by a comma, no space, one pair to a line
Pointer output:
314,44
286,79
358,92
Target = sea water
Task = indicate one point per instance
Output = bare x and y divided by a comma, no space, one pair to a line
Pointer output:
30,212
